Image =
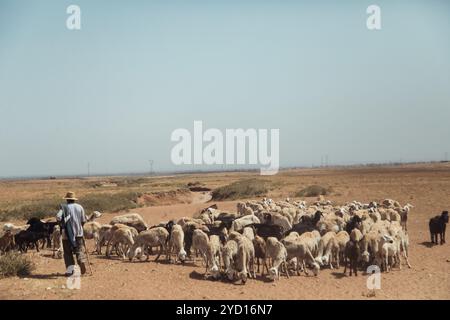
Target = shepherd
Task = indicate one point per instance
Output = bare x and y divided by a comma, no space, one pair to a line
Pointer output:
72,218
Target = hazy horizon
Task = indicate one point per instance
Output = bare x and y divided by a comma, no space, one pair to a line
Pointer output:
111,93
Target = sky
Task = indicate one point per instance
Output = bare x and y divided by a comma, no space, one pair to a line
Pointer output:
112,93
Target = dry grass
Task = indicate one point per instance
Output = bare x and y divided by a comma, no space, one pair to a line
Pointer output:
314,191
15,264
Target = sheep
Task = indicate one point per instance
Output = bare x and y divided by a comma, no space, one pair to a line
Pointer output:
243,209
229,258
244,221
121,235
245,265
57,243
249,233
276,251
156,237
278,219
176,243
200,243
390,251
7,241
92,228
14,229
328,245
104,236
131,219
404,215
342,238
213,255
260,253
356,235
301,248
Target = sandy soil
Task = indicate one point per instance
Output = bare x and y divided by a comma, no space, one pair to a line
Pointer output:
428,189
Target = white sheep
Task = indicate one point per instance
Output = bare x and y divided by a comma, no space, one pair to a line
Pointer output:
134,220
276,251
155,237
241,223
176,243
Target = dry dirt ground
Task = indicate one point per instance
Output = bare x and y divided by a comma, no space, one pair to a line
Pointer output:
425,186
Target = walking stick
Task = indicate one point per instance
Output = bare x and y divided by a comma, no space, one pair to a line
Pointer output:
87,256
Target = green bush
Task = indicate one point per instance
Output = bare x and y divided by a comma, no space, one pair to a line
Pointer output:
241,189
313,191
15,264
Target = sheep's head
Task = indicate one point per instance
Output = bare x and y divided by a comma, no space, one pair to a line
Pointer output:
8,227
273,273
97,214
182,255
243,276
366,256
325,260
215,271
388,239
319,260
316,268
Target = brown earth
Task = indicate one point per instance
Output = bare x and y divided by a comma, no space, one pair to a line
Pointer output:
425,186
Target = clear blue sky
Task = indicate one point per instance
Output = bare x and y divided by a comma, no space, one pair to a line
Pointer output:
112,93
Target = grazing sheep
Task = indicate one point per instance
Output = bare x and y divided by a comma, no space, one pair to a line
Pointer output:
260,253
276,251
328,245
213,255
156,237
245,264
200,243
229,258
176,243
301,248
120,236
131,219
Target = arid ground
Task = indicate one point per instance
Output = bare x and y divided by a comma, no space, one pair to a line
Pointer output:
426,186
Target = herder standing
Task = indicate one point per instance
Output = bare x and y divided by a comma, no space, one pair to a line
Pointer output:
72,218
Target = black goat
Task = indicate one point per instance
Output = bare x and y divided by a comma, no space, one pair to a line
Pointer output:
37,226
351,257
354,222
268,230
24,238
312,221
437,227
306,224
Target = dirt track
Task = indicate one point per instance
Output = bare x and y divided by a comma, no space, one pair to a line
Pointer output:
428,190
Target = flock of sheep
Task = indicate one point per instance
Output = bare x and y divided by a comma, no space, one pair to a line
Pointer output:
263,236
